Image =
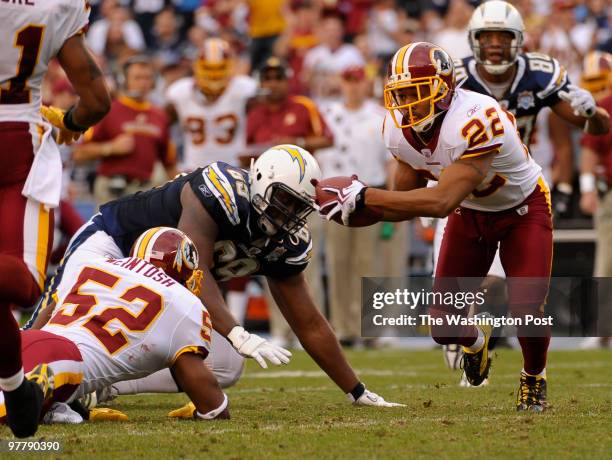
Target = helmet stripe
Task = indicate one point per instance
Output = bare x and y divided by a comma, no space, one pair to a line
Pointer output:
399,59
403,58
159,231
144,240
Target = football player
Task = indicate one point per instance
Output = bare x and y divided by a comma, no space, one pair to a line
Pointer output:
30,177
243,223
126,318
488,185
524,84
211,107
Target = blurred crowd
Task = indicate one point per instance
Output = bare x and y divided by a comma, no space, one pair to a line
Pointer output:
329,57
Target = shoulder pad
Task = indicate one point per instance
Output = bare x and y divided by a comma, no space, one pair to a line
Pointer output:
549,76
228,185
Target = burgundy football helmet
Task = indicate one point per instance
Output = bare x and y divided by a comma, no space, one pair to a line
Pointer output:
419,72
173,252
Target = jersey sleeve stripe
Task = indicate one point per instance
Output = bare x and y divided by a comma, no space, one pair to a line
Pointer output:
302,258
315,119
196,349
481,151
556,82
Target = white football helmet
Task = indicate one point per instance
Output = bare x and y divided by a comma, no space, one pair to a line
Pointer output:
500,16
281,190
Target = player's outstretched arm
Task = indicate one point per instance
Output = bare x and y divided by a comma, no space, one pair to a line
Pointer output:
315,334
88,81
200,384
455,184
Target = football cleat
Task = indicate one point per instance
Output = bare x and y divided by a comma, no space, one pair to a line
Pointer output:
452,355
186,412
24,404
104,414
463,383
62,413
531,394
476,365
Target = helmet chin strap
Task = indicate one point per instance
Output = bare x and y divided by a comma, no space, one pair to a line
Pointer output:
426,125
497,69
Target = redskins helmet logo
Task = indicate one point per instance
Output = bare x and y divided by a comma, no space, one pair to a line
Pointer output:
186,254
441,61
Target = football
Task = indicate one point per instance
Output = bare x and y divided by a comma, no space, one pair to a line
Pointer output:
361,218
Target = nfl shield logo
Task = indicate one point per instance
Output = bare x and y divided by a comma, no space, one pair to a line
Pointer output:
426,153
525,100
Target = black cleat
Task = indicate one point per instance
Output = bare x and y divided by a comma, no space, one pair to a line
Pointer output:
531,394
23,405
476,365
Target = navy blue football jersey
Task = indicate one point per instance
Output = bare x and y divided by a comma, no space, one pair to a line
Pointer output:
241,248
537,83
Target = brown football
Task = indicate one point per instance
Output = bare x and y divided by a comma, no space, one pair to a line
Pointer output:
362,218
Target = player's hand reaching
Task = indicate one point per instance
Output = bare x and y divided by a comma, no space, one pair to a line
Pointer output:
55,116
368,398
252,346
349,199
580,100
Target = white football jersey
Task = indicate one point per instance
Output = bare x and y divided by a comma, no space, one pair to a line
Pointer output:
128,319
32,32
212,131
474,125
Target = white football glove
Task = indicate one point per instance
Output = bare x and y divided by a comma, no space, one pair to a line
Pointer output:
252,346
346,203
369,398
580,100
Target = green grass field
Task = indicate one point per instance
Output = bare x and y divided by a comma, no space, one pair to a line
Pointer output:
296,412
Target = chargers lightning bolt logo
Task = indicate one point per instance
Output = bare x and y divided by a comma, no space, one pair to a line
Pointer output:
297,157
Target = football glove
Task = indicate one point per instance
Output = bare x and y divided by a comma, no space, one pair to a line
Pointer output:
369,398
186,412
580,100
55,116
253,346
104,414
349,199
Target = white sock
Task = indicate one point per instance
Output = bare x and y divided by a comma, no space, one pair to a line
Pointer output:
541,374
159,382
237,302
478,344
13,382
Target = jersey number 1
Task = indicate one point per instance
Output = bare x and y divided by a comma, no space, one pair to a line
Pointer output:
29,39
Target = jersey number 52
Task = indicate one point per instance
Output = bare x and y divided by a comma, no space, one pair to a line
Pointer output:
78,304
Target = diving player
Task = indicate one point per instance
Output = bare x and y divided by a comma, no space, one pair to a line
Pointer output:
243,223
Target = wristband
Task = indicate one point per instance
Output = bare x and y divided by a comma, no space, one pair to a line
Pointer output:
356,392
587,182
565,188
70,124
215,412
360,199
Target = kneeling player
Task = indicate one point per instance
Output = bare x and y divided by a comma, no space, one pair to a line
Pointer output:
127,318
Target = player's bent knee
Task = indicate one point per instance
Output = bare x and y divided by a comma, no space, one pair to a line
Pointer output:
229,376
